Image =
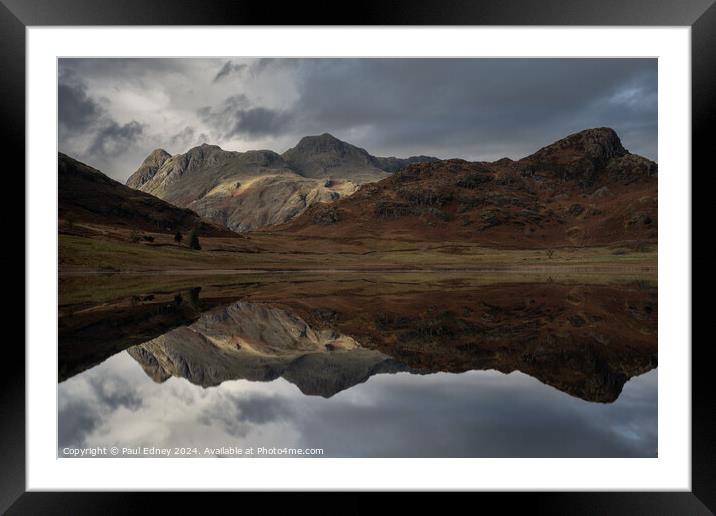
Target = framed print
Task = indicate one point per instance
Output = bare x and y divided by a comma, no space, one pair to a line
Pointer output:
427,248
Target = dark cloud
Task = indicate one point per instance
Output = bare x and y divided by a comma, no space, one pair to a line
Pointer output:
260,122
114,392
76,110
236,117
86,130
261,409
237,414
103,395
479,109
76,420
229,69
113,139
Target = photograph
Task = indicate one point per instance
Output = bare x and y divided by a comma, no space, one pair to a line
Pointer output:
357,257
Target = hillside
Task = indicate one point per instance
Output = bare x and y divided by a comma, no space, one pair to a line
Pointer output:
86,195
255,189
585,189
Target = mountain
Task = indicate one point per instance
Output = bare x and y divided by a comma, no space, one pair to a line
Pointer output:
585,340
86,195
327,157
324,336
148,169
88,337
585,189
254,189
260,343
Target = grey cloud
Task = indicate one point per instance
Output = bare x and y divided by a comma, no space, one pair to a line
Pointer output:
86,130
237,414
484,415
186,138
115,391
235,117
229,69
478,109
114,139
76,110
76,420
101,396
261,409
260,122
480,413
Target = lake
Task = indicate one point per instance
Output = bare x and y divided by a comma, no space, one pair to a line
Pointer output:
358,365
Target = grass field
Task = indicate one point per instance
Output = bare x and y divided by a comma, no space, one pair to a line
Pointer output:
268,252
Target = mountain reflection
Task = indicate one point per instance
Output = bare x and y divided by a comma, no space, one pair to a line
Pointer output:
585,340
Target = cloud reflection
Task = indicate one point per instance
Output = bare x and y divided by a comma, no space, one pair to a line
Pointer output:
474,414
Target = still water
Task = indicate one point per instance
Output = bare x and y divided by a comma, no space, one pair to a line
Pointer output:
361,367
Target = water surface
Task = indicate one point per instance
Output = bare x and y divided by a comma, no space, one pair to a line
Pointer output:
357,366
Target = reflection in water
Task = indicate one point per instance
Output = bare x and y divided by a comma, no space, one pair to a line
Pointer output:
511,369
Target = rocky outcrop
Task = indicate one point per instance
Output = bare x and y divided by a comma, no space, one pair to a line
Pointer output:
148,168
256,189
261,343
582,190
393,164
266,201
578,157
327,157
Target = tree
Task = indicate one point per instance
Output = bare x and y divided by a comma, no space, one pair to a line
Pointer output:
178,237
194,240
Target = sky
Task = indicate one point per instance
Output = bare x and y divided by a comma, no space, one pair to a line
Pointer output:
478,413
112,112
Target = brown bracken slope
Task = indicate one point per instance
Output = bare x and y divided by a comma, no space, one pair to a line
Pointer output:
86,195
585,189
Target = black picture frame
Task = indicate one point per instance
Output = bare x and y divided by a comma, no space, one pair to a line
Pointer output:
700,15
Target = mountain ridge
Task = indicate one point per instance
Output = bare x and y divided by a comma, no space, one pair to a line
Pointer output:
257,188
584,189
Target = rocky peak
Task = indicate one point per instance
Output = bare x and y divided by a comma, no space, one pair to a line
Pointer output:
157,157
578,156
264,158
202,151
203,155
324,155
148,168
327,145
323,141
601,143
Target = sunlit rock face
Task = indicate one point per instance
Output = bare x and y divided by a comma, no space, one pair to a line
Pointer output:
260,343
256,189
